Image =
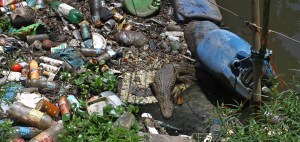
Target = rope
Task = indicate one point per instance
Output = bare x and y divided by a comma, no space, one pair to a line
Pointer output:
253,24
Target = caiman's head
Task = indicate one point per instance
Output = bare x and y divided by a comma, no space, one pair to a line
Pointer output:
166,108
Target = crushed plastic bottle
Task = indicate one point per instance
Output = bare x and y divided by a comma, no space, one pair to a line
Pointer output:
23,16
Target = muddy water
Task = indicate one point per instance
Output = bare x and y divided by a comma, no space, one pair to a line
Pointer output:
284,18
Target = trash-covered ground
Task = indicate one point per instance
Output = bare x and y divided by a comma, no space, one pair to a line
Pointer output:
67,76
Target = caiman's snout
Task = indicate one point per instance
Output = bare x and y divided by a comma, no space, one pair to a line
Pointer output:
166,109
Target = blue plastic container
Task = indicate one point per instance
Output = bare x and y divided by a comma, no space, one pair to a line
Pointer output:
226,57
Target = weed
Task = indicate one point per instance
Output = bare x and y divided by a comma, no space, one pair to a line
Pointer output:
6,130
277,120
83,127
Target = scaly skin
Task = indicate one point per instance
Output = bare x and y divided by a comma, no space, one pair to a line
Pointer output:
163,85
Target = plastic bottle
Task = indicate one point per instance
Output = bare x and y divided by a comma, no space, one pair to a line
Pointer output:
40,37
51,134
47,107
50,68
4,3
31,3
40,4
91,52
51,61
26,132
30,116
12,7
42,84
64,108
73,102
84,29
17,140
106,56
69,12
59,48
34,70
95,7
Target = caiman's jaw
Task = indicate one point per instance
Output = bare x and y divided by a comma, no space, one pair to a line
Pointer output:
166,109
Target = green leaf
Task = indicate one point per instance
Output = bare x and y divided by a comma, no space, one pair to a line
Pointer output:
79,81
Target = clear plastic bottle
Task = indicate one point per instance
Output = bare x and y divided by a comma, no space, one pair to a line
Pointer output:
31,3
42,84
91,52
26,132
73,15
30,116
51,134
95,7
106,56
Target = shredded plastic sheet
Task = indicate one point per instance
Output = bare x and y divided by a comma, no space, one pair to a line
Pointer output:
68,55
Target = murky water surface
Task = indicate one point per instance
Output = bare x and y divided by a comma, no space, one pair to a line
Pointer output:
284,18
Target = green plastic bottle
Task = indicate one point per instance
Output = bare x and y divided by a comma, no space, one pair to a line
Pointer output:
73,15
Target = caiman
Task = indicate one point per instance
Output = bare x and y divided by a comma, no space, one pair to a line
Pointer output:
164,82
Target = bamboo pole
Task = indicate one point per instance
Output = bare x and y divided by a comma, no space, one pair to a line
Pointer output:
256,46
258,58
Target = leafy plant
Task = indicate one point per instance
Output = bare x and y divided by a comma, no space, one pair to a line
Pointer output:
97,128
92,82
6,130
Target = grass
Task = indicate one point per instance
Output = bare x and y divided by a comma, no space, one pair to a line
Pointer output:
278,119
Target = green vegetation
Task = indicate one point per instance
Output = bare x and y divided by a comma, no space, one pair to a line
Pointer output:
277,120
92,82
83,127
96,128
6,130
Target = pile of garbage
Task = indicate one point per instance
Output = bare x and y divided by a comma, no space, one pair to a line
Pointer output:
63,60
